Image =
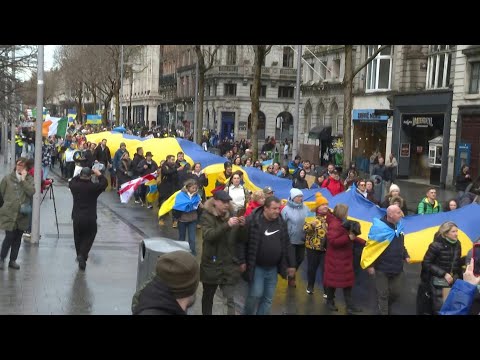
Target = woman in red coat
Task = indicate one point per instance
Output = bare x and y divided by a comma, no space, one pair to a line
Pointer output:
339,259
333,183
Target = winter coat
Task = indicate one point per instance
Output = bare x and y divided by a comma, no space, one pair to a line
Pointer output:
182,174
441,257
220,262
124,173
136,160
14,194
299,183
155,299
85,194
202,182
248,250
294,215
339,256
185,207
316,233
169,180
252,205
150,167
334,186
425,207
462,182
117,158
103,156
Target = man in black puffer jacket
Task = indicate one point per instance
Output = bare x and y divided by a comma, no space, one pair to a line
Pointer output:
173,288
266,253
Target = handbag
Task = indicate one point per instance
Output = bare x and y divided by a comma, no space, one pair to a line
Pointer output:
440,282
26,209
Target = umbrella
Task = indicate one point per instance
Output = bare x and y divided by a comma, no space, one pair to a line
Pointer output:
119,129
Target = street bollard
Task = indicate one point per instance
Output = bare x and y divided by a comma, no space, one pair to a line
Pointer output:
149,251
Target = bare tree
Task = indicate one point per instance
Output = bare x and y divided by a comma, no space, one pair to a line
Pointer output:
205,56
260,52
350,73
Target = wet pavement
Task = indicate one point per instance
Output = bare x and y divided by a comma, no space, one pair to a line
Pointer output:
49,281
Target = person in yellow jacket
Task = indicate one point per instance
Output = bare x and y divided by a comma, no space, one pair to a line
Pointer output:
316,241
18,146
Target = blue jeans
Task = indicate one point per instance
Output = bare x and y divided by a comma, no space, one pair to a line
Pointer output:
261,291
182,230
46,170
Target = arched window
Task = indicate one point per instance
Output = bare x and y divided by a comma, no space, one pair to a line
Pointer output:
231,55
334,117
308,117
287,57
321,112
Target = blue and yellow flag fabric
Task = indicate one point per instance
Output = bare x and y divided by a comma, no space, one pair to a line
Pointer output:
379,237
183,202
419,229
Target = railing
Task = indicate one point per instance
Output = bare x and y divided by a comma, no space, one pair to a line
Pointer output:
288,72
228,69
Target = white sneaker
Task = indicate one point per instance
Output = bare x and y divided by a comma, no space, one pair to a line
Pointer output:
137,201
149,206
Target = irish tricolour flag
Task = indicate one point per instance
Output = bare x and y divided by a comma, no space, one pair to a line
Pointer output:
54,126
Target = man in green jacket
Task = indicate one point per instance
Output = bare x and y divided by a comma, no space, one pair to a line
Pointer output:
220,265
429,204
17,190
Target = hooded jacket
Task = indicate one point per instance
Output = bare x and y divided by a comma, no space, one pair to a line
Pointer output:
294,215
14,194
155,299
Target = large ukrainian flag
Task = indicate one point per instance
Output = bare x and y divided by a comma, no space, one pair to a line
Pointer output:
419,229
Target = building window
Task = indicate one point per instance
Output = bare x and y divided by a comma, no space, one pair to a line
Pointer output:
336,69
230,90
285,92
231,55
323,69
474,78
263,91
438,69
209,90
379,70
287,57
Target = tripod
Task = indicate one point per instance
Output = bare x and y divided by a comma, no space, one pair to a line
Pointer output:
49,190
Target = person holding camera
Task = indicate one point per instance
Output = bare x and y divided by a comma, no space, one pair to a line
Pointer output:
339,257
84,212
16,192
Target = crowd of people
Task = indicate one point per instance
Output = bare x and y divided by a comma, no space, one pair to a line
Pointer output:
255,236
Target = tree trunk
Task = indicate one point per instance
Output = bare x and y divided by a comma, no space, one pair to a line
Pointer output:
117,107
255,96
348,105
94,94
201,95
201,92
106,103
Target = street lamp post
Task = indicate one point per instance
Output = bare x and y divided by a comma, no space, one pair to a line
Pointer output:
37,176
120,116
297,104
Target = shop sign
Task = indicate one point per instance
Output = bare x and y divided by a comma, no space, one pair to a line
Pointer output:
369,115
418,121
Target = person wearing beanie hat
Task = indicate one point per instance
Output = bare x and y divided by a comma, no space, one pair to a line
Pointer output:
295,192
394,193
316,242
172,289
223,176
294,215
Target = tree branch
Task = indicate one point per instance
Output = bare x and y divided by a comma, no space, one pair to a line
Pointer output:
369,60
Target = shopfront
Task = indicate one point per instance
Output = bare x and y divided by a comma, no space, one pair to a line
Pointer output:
421,129
369,135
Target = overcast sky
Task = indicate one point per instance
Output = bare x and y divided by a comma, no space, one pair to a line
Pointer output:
48,56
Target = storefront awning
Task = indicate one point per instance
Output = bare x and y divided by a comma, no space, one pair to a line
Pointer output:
320,132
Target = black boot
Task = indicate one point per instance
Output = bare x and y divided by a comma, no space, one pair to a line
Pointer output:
331,305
